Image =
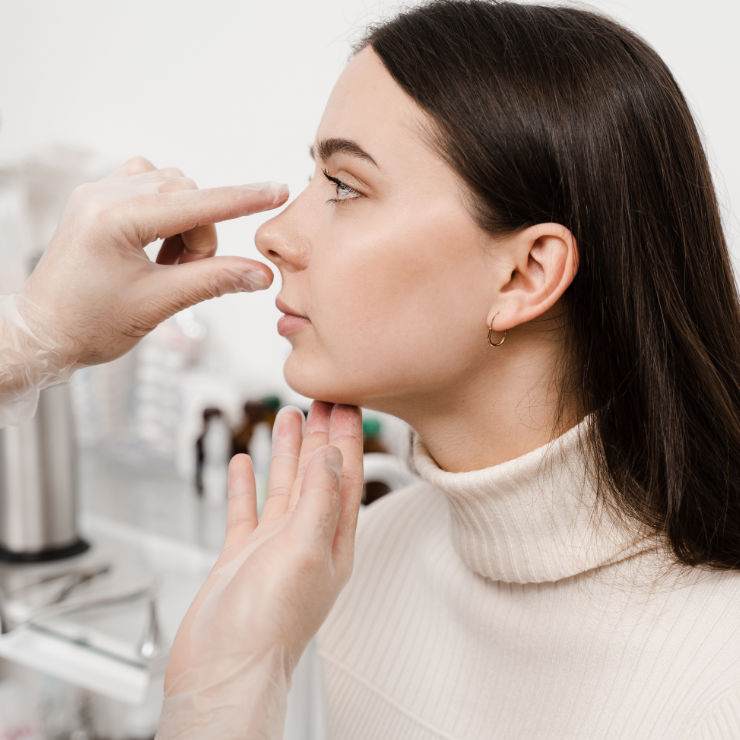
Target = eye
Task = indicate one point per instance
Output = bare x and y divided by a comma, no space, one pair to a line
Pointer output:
344,191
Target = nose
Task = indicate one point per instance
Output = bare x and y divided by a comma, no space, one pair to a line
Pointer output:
280,241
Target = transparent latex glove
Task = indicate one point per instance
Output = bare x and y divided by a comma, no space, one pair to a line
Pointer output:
95,293
274,583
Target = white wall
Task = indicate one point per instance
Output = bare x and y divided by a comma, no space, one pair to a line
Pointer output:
232,90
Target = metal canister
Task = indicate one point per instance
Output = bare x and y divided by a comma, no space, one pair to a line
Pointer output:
38,483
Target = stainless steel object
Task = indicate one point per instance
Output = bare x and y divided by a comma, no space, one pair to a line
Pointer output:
38,483
71,578
70,607
77,580
151,644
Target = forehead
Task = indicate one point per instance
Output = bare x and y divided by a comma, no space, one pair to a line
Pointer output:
368,106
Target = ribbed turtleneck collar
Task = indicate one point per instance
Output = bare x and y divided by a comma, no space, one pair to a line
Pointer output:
532,519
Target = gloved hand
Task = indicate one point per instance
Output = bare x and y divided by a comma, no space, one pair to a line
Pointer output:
273,585
95,292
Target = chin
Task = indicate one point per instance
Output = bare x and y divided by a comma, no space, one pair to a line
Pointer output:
322,387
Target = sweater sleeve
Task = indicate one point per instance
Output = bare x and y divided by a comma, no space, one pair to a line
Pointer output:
721,719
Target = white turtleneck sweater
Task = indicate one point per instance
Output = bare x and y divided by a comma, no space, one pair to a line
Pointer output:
500,603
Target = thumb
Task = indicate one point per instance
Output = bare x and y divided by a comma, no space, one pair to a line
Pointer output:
175,287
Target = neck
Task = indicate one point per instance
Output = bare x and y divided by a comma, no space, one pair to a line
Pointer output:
502,410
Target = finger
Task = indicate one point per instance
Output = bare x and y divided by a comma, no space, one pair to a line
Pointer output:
199,242
345,433
241,512
172,288
195,244
315,436
171,180
286,444
317,512
165,214
170,251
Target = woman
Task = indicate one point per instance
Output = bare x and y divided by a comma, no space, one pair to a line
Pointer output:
512,235
511,241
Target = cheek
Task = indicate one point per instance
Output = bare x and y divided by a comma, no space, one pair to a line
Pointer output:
392,306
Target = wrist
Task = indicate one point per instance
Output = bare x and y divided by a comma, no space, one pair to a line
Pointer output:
248,693
30,362
51,346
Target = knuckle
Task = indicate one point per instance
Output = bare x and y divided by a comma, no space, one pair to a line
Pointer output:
279,491
185,297
93,209
138,164
175,184
82,193
168,186
84,189
148,316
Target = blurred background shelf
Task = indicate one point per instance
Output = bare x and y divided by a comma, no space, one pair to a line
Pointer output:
152,534
148,533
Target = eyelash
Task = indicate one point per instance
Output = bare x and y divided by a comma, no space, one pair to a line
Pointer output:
341,186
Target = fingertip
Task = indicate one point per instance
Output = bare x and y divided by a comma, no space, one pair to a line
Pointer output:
346,419
347,410
320,410
287,429
257,280
327,405
276,192
285,410
239,462
280,192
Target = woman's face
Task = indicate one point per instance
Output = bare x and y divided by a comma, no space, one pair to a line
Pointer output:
388,267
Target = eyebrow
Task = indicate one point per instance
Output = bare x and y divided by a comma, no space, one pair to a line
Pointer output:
326,147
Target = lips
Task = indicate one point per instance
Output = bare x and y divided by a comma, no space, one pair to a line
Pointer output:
293,322
287,310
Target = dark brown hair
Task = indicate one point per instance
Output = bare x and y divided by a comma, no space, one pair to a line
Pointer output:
558,114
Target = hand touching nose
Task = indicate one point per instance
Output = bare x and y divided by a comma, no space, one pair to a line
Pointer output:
95,292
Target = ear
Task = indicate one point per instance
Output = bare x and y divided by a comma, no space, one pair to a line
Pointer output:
543,260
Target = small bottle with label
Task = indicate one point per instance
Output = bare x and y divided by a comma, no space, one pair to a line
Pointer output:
213,449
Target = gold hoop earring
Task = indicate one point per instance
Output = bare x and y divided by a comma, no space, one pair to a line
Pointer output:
490,333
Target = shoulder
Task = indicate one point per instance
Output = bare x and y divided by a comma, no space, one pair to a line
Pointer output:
706,620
